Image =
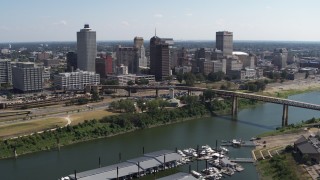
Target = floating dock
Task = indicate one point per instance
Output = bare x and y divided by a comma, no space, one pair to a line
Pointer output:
242,160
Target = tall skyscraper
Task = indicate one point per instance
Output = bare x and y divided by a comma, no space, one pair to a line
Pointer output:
86,49
141,55
224,42
160,57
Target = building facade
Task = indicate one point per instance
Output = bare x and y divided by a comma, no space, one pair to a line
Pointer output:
280,57
224,42
128,56
71,61
5,72
26,77
160,57
77,80
86,49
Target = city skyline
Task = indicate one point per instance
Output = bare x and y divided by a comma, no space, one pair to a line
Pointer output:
34,21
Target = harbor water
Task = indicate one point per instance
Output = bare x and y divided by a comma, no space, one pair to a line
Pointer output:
84,156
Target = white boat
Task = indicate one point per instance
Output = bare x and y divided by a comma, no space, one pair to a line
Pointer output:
224,149
236,143
196,174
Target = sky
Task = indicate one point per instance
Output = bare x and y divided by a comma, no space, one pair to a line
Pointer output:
59,20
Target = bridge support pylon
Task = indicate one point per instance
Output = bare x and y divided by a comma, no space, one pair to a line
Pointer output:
285,115
157,92
129,92
234,106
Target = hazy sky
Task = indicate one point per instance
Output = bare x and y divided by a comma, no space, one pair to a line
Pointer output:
59,20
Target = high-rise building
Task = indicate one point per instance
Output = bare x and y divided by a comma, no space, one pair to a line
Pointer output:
27,77
71,61
280,57
160,57
76,80
104,65
141,53
5,72
127,56
86,49
224,42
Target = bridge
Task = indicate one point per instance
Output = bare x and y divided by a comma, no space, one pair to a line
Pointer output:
233,94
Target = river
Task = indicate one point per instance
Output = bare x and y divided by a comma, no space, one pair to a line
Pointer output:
84,156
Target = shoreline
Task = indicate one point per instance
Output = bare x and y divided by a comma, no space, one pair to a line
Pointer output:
216,113
180,120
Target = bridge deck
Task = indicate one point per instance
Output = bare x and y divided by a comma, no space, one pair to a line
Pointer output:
226,93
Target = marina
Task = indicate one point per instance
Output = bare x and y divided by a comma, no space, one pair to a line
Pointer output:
217,165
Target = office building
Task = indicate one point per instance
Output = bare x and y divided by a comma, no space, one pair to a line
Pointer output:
220,65
86,49
26,77
71,81
280,57
71,61
51,62
141,53
160,57
44,55
5,71
104,65
127,56
123,79
233,64
224,42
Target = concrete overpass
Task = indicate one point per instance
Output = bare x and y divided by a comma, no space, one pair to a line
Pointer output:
235,95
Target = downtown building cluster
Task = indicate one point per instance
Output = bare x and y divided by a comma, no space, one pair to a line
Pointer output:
156,60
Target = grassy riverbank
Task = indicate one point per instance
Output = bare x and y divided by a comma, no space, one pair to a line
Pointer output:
281,167
93,129
289,92
285,166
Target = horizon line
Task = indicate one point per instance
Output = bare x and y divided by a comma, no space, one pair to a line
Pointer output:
178,40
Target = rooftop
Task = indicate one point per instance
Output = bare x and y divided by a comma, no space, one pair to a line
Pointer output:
177,176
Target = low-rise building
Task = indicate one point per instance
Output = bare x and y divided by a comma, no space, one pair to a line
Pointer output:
125,78
76,80
308,148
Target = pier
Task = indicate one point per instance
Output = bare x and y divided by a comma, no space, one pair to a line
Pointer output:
242,160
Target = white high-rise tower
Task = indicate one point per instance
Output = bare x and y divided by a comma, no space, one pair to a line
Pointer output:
86,49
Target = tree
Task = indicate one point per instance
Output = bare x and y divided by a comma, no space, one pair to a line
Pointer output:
200,77
180,77
191,100
307,75
9,96
142,105
130,83
216,76
189,78
142,82
284,74
153,105
127,105
95,96
209,94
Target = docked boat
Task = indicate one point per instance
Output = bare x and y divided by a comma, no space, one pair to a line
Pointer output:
236,143
225,150
196,174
